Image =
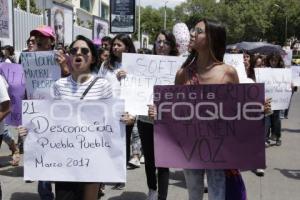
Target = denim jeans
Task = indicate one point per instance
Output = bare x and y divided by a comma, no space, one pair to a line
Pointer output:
267,127
135,140
6,135
195,183
276,124
45,190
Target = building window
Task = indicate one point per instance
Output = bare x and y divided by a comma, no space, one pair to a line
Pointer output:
104,11
86,5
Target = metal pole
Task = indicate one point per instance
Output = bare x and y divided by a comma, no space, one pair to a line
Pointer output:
165,19
286,27
44,12
139,30
100,8
28,6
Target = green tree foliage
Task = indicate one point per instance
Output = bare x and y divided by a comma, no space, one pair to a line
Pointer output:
245,20
251,20
23,6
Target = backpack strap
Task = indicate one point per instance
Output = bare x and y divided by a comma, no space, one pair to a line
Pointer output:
88,88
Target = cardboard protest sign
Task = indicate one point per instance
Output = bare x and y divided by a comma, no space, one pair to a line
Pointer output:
237,61
296,75
210,126
14,75
41,71
143,72
81,141
278,86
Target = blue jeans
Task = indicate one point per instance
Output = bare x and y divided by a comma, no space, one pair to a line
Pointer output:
275,124
195,183
267,127
45,190
6,135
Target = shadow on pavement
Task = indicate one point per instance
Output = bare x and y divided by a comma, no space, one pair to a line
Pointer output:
290,173
178,176
130,196
291,130
4,161
12,172
24,196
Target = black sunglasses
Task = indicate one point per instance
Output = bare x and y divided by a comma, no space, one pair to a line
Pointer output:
83,50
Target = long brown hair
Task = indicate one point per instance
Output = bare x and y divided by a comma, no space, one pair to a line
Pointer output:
216,38
110,64
171,39
276,56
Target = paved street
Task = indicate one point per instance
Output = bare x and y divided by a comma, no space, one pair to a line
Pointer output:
281,181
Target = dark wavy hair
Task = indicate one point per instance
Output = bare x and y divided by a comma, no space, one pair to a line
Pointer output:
127,41
171,39
251,72
91,47
276,56
216,38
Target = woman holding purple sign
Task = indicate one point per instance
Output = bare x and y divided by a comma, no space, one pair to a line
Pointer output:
205,66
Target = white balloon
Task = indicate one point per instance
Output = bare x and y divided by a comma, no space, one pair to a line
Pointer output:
182,35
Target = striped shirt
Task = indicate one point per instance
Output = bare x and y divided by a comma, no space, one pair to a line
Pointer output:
67,88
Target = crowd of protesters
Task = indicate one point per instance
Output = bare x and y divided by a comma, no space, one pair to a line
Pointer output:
204,58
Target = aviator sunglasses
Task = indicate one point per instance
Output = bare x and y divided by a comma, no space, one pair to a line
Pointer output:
83,50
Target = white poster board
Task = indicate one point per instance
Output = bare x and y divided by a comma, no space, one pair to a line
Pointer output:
6,22
296,75
62,23
237,61
143,72
81,141
41,71
278,84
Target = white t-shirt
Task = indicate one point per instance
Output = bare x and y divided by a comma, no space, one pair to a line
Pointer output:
67,88
7,60
111,76
3,97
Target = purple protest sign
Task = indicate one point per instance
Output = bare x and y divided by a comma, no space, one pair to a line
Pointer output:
14,75
210,126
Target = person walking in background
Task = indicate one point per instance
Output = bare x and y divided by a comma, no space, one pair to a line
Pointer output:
165,44
106,42
9,54
274,60
112,71
103,57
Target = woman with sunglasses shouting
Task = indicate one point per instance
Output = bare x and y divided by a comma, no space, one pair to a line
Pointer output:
81,83
165,44
83,57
